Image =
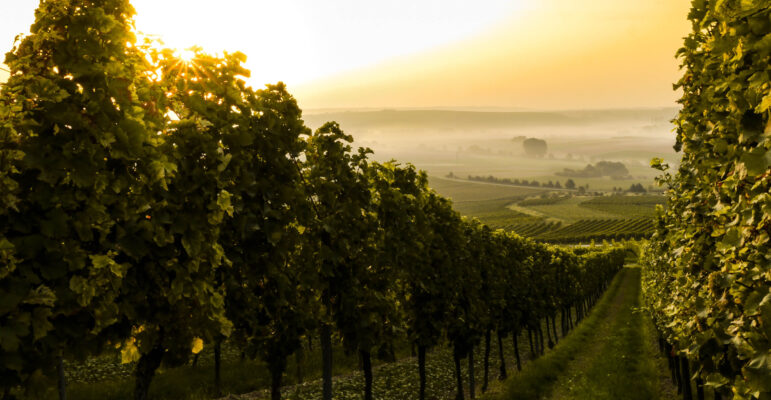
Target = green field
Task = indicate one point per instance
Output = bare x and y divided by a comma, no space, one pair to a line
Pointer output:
628,206
462,191
561,220
570,210
487,202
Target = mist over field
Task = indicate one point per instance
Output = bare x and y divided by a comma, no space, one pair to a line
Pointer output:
489,143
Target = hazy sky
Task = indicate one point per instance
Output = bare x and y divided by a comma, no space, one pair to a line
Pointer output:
532,54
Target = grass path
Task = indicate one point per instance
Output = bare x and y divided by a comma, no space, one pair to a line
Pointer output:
611,355
570,210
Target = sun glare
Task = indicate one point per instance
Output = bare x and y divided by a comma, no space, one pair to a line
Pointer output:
186,55
305,40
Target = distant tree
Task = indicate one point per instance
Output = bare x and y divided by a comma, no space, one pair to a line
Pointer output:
581,190
569,184
535,147
636,188
612,169
557,185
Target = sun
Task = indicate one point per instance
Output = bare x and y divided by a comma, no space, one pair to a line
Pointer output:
186,55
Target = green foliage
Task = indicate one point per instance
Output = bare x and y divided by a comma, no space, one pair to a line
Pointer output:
77,149
706,277
572,209
152,206
342,236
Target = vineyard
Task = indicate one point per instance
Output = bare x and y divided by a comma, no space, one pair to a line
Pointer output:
168,232
628,206
587,230
554,218
154,206
707,276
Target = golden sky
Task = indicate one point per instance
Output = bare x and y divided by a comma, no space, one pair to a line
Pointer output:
533,54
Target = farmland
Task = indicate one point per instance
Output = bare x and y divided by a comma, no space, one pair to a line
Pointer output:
561,218
463,191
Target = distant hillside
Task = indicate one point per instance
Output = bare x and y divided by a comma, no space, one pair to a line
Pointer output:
476,120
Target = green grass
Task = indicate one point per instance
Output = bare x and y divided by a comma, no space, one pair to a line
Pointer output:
495,213
570,210
460,191
621,367
541,201
538,378
488,202
610,355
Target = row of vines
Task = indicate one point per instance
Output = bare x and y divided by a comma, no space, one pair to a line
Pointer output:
707,270
155,206
586,230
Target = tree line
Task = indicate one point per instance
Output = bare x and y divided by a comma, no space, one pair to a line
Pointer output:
569,184
707,275
156,206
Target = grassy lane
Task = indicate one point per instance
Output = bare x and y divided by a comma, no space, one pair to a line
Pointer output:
609,356
618,365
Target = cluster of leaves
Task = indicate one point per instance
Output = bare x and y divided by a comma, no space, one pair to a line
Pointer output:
707,280
155,205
